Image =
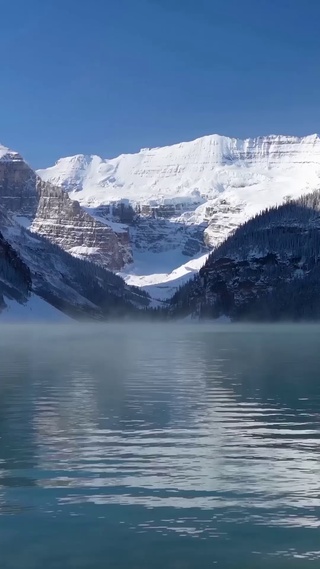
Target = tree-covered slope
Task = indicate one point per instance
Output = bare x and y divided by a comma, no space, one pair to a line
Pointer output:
268,269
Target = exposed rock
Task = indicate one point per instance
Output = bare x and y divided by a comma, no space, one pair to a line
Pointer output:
49,211
64,222
18,193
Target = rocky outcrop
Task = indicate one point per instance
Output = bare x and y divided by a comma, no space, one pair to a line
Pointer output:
65,223
162,235
48,211
18,193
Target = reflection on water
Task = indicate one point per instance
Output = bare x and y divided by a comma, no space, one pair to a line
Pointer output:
163,446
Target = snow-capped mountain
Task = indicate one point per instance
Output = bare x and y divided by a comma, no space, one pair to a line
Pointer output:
179,200
187,174
152,216
7,155
39,224
49,211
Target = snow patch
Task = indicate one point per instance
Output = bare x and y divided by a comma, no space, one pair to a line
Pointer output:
25,222
34,310
8,155
149,272
83,251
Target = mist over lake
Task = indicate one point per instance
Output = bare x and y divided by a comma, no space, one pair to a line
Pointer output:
139,445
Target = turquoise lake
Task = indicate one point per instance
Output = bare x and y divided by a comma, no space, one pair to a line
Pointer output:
159,446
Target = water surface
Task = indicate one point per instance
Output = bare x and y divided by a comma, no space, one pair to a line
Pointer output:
129,446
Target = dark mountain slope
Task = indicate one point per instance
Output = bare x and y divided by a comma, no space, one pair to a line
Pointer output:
77,287
268,269
15,276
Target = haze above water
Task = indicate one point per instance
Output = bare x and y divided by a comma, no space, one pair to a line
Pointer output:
139,446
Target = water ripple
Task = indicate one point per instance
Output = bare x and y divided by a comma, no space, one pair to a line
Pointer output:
216,434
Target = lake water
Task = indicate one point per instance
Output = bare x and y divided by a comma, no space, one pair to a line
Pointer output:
164,447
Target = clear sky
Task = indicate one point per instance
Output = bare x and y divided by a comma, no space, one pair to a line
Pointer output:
112,76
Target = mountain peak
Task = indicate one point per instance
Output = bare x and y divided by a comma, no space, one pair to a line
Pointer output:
204,167
7,155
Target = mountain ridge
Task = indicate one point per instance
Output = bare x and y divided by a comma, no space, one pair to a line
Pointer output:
188,197
171,233
270,136
102,177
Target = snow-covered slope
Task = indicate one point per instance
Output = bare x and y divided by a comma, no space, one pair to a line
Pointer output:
192,172
211,185
160,274
34,310
9,155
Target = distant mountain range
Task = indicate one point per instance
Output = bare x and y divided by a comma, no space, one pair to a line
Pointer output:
153,218
178,202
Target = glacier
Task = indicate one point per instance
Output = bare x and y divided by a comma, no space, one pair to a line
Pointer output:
188,197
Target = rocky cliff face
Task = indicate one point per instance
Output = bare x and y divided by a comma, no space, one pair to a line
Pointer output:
49,211
64,222
18,193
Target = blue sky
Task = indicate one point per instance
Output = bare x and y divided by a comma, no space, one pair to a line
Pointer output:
112,76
